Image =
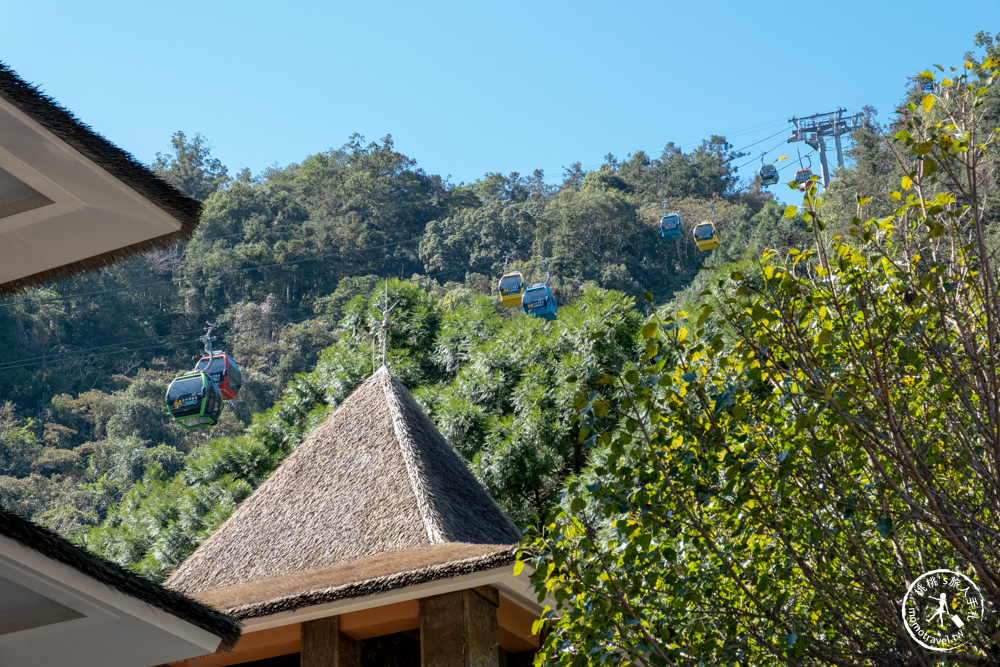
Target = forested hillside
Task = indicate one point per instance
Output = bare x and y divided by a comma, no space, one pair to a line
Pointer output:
277,261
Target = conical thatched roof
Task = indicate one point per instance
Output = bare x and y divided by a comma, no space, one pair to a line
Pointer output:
375,482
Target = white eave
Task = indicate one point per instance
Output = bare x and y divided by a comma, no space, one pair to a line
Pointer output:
54,614
517,589
65,208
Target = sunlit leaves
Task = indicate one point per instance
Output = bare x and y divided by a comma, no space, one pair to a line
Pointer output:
793,459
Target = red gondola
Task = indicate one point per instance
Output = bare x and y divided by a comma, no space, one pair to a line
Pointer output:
802,177
224,372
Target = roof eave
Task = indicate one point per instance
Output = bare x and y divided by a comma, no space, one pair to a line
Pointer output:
517,589
85,178
55,553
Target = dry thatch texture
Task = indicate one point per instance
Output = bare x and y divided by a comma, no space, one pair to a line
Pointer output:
368,576
56,548
49,114
375,477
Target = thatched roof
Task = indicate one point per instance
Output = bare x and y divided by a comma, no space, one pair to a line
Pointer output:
367,487
56,548
47,113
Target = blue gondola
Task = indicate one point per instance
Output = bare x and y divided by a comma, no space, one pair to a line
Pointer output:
670,226
539,301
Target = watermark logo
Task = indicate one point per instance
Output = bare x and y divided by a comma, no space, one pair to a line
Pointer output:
938,608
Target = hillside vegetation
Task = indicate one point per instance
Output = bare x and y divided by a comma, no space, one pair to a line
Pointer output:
277,261
693,437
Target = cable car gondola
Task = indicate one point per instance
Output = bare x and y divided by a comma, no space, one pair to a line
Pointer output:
224,372
705,235
510,288
538,300
671,226
194,400
221,367
768,174
802,177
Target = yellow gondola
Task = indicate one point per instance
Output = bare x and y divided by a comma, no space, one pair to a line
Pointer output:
705,236
510,288
704,233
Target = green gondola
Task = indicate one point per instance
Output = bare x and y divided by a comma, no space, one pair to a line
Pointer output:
768,174
194,400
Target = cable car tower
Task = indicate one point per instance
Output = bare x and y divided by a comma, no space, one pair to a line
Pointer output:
816,128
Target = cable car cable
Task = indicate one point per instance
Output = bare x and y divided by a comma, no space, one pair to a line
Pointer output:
19,363
26,300
740,150
78,353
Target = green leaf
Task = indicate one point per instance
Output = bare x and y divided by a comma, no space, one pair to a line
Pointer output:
648,330
578,504
705,312
518,567
790,211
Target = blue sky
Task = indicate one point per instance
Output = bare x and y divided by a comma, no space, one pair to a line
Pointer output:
468,88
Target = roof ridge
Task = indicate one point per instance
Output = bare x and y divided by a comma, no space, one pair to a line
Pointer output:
408,448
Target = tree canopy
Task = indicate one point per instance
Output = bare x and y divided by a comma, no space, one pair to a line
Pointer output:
821,430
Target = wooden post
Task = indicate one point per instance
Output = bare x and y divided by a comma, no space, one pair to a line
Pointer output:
324,645
460,629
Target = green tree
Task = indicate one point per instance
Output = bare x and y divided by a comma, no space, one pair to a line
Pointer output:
795,453
19,443
191,168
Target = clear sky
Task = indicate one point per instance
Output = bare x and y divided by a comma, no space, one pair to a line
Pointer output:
470,87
